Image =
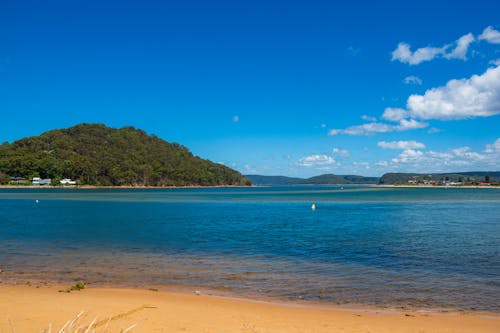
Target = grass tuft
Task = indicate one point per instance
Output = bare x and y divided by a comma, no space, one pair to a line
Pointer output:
73,326
78,286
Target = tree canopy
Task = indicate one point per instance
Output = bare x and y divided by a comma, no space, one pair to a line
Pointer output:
94,154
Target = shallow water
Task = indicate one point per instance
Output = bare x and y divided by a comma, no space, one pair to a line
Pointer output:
416,247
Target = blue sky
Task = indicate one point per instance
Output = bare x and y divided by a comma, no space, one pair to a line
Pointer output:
296,88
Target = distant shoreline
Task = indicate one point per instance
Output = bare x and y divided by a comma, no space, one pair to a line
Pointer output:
83,187
437,186
119,187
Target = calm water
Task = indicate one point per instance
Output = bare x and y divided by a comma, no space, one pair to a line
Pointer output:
424,248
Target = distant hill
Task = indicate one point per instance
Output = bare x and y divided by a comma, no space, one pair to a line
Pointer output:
470,177
94,154
272,180
327,179
466,177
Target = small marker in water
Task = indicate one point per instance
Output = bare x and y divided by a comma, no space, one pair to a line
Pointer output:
37,201
313,207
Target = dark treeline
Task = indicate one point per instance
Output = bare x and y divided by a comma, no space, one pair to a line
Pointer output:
470,177
94,154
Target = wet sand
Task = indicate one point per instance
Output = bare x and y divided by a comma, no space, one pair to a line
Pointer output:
31,309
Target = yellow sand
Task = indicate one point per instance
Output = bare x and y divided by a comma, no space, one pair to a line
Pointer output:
30,309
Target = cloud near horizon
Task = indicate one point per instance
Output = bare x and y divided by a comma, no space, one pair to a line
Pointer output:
316,160
401,145
340,152
377,127
437,161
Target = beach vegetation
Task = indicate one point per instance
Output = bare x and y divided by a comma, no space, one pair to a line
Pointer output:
77,287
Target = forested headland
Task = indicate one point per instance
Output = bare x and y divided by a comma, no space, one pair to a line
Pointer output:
94,154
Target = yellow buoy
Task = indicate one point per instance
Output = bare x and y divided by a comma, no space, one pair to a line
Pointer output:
313,207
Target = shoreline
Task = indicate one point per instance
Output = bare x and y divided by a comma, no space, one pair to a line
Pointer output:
93,187
436,186
84,187
224,293
30,308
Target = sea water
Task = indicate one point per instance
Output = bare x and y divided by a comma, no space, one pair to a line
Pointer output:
391,247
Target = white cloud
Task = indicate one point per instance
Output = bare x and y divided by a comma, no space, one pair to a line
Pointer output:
465,152
495,62
394,114
493,148
409,124
460,51
249,169
368,118
433,130
404,145
382,163
440,155
236,118
316,160
478,96
412,79
490,35
404,54
341,152
408,156
365,129
374,128
434,161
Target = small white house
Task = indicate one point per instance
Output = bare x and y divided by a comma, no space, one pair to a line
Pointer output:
67,181
40,181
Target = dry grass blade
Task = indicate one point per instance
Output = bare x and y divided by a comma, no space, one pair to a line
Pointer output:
91,325
129,328
11,327
74,321
64,327
71,325
106,327
122,315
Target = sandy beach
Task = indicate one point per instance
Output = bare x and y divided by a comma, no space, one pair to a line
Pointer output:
32,309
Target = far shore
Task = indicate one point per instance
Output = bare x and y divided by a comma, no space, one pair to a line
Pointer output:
26,308
119,187
83,187
438,186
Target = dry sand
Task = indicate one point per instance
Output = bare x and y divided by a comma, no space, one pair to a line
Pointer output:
31,309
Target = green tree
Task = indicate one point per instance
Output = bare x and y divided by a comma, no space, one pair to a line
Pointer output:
4,178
